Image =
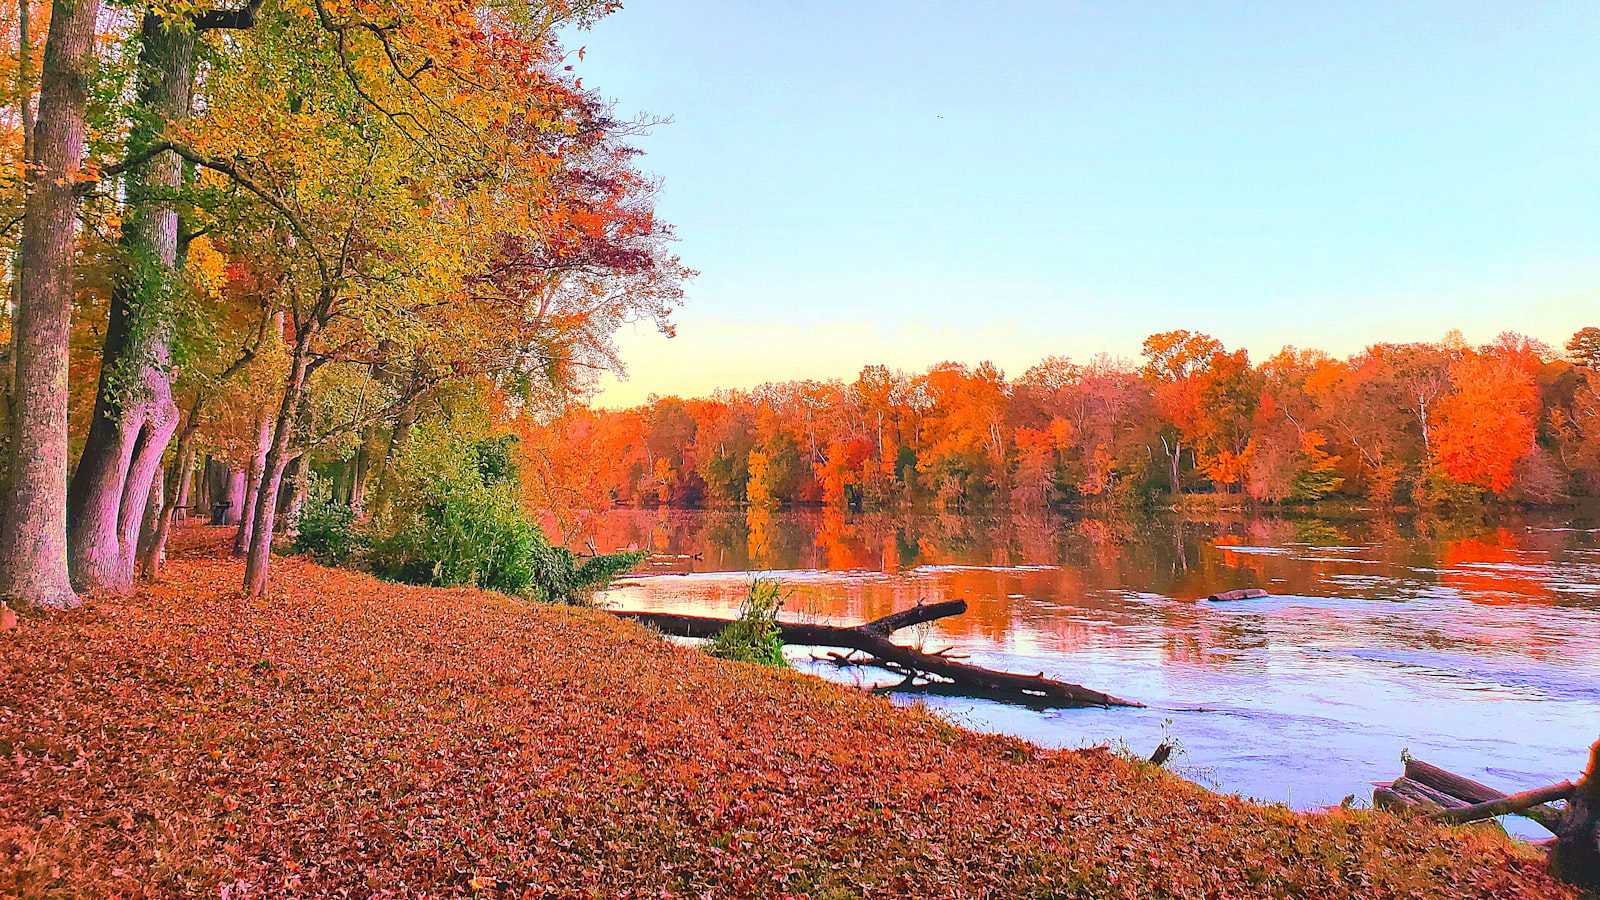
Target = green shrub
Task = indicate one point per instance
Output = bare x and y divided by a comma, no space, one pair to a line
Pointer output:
463,532
559,576
326,529
459,522
755,635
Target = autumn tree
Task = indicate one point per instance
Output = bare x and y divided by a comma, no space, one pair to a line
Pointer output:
33,515
1486,425
135,415
1585,347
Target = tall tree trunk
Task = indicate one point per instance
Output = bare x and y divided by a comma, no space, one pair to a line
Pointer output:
33,511
24,84
24,101
252,482
177,482
259,560
134,414
397,443
150,522
361,467
184,499
224,492
299,475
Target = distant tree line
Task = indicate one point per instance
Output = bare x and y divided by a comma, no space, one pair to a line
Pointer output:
1397,424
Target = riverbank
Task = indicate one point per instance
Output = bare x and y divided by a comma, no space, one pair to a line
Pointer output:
349,735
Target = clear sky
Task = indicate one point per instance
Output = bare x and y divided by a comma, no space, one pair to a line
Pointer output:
887,181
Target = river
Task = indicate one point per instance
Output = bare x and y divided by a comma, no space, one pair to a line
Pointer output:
1473,644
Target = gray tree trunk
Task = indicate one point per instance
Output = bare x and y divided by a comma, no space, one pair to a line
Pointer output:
259,560
252,482
134,413
154,553
33,512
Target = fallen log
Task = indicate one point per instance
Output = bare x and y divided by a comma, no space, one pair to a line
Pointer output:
1406,793
1511,803
1470,792
872,638
1240,594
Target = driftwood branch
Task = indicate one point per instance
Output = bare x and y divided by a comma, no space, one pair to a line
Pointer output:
1468,792
1511,803
872,638
1451,798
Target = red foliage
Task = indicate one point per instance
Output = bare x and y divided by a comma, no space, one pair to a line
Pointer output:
1388,424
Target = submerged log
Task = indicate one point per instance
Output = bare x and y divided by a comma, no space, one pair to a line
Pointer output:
1452,798
1240,594
872,638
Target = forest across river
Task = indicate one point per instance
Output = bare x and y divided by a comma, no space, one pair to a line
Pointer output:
1473,644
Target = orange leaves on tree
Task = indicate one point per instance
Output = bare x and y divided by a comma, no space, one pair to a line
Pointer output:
1488,423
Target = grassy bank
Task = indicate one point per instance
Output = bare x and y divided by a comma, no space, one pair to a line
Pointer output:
349,735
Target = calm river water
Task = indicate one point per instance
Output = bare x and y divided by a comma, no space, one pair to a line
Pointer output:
1475,645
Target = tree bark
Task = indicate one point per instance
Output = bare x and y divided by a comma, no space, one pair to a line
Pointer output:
1405,793
134,414
1511,803
225,492
360,468
299,475
177,483
23,88
1469,791
252,482
33,513
384,491
872,638
150,524
1575,858
259,559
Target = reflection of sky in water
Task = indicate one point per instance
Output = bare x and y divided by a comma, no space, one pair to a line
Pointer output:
1475,647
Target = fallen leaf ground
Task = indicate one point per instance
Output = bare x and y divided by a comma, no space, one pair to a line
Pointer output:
357,738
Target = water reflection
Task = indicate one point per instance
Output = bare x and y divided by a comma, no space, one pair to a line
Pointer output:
1475,645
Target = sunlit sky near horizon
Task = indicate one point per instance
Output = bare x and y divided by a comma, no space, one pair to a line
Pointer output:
908,182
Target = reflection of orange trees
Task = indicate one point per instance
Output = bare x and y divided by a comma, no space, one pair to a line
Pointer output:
1108,538
759,521
1493,568
759,488
661,532
835,538
1036,536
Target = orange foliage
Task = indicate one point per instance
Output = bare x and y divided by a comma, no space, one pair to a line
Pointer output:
1488,423
1388,424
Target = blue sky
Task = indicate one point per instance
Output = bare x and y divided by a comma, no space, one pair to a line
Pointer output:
906,182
